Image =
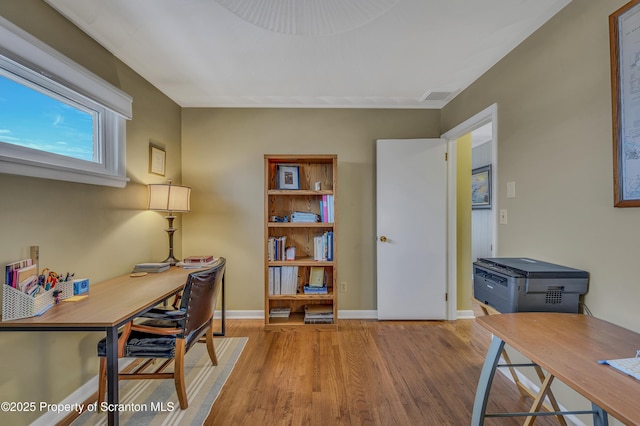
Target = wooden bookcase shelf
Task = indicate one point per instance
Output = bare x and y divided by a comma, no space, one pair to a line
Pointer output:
312,170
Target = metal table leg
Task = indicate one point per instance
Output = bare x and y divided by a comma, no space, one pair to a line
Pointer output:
112,375
486,378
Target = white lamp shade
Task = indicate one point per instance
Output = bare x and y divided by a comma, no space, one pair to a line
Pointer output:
167,197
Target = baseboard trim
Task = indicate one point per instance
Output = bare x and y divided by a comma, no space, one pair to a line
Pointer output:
465,314
342,314
257,314
357,314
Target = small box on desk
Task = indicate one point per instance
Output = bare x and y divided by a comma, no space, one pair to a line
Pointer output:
81,286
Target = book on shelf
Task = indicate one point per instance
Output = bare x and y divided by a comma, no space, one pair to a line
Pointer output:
323,247
318,320
283,280
305,217
279,312
276,248
318,314
151,267
326,209
199,259
315,290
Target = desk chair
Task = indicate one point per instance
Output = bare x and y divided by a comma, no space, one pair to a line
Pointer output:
169,334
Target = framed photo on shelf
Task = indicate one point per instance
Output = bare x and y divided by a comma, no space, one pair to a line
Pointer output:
625,64
481,188
157,160
316,276
288,177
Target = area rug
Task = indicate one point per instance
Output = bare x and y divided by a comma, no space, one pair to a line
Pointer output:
154,402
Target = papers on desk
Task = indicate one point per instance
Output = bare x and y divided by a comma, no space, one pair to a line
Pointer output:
630,366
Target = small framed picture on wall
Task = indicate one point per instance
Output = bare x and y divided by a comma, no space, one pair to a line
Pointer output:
157,160
481,188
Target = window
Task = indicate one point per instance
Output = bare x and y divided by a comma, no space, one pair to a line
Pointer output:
58,120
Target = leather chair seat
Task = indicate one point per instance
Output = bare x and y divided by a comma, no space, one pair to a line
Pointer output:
147,345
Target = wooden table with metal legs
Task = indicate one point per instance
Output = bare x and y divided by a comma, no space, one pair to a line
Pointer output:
545,381
567,347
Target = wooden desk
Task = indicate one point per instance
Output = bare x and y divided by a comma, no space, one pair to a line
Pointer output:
110,304
567,346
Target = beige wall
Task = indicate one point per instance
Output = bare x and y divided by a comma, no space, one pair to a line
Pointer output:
554,141
223,153
96,232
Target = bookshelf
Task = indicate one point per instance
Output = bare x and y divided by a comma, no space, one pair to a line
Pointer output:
300,184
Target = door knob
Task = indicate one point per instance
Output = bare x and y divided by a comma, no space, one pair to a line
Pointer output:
383,239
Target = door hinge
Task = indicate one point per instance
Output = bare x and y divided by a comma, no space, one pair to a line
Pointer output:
446,297
446,156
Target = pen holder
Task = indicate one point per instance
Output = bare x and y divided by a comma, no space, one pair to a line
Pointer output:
67,289
16,304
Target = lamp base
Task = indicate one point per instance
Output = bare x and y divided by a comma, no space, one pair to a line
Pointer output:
170,230
172,260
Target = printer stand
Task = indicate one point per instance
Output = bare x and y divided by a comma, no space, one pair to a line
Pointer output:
545,389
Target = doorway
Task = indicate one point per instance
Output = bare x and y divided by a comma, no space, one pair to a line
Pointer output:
459,288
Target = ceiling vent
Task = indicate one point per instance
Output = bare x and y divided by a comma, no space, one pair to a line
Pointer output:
308,17
437,96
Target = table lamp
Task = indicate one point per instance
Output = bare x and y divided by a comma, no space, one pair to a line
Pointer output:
169,198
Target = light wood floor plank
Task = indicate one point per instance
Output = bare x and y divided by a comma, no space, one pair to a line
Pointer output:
364,373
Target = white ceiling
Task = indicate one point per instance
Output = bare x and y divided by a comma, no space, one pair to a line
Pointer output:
309,53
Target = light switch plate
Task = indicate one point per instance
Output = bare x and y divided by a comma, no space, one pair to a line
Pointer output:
503,216
511,190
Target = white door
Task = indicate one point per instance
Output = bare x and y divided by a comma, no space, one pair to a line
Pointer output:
411,228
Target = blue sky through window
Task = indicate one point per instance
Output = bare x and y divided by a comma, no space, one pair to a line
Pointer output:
32,119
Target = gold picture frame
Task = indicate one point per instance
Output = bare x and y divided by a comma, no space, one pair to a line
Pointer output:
157,160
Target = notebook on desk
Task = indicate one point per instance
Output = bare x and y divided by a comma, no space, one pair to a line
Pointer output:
630,366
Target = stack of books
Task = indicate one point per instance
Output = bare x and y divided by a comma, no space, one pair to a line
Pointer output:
279,312
151,267
318,314
315,290
305,217
197,262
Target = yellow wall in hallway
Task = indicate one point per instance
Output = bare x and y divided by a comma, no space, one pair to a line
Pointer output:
463,222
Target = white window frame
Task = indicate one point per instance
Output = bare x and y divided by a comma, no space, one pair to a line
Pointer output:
28,58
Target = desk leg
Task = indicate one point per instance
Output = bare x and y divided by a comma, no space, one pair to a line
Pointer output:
486,378
600,417
112,374
224,311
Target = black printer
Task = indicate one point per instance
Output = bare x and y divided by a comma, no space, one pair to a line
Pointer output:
527,285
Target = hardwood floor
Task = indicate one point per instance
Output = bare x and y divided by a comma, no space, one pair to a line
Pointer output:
365,372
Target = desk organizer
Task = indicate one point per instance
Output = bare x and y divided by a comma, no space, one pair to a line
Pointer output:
16,304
